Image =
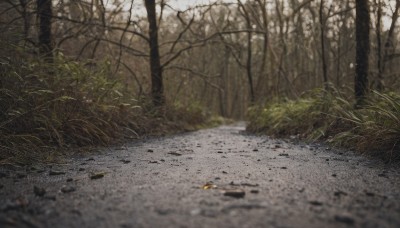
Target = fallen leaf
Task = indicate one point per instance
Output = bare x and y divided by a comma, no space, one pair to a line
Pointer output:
209,185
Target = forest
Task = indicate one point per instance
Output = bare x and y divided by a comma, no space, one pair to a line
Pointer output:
79,73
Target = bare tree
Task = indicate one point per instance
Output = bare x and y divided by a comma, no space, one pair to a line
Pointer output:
249,68
389,43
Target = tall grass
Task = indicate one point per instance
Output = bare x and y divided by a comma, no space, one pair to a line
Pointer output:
48,107
329,116
374,128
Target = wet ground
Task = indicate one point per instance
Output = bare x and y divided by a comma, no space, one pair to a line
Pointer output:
210,178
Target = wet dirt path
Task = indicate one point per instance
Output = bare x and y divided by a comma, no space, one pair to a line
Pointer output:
210,178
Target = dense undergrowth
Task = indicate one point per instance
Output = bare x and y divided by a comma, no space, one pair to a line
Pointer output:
48,107
329,116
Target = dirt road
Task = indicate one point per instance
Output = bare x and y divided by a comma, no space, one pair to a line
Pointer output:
210,178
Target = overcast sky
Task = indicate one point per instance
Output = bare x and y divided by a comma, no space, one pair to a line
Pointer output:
184,4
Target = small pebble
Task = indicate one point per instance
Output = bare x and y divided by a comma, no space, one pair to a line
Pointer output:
95,176
56,173
371,194
125,161
2,175
39,191
316,203
21,175
344,219
51,197
68,189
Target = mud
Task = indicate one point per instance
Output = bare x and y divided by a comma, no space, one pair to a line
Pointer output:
217,177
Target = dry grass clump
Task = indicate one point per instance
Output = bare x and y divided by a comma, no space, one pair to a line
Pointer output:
373,129
51,106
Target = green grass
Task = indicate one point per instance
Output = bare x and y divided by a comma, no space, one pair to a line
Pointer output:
329,116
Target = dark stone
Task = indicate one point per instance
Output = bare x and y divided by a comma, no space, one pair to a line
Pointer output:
344,219
39,191
316,203
96,176
235,193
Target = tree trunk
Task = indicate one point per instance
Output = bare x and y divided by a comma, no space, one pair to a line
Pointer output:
157,89
323,49
362,51
379,82
44,10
